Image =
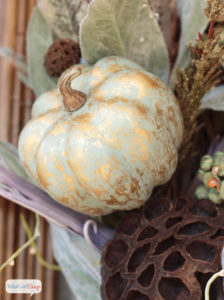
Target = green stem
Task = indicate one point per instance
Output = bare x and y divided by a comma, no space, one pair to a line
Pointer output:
41,260
211,280
24,246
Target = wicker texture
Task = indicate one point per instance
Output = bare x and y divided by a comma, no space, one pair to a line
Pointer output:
15,105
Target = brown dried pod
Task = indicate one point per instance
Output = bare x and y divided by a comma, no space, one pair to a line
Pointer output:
168,250
61,55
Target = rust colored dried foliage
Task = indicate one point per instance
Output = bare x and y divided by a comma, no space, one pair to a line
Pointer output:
204,72
166,251
61,55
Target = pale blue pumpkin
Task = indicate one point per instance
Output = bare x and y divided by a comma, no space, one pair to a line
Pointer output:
105,138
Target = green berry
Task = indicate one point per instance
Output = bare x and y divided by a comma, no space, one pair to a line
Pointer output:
214,196
201,192
218,158
221,190
219,154
201,174
206,163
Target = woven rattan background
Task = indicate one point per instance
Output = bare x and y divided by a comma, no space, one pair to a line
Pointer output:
15,104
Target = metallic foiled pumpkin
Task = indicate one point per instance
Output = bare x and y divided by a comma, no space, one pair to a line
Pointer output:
105,138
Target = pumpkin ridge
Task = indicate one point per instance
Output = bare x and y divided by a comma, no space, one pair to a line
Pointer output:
71,165
26,143
47,102
39,172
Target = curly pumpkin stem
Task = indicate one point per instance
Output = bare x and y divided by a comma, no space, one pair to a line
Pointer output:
72,98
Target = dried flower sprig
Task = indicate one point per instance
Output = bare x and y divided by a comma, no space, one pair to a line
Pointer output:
203,73
215,10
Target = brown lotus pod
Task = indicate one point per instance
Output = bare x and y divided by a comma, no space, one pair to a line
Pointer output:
61,55
168,250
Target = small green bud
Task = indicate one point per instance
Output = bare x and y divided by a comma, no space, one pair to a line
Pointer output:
221,170
201,192
214,196
221,190
206,163
201,174
219,158
220,165
219,155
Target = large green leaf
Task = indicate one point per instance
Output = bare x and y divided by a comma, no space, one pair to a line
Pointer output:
39,38
63,290
64,16
214,99
125,28
10,156
193,20
79,262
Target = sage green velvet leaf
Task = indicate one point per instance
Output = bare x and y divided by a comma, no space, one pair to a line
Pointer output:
64,16
63,290
39,38
17,59
126,28
25,79
214,99
10,156
80,263
193,20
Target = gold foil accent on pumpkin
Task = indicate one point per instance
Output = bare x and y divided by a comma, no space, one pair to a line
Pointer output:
105,171
44,175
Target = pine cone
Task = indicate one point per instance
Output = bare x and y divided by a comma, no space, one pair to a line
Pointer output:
61,55
168,250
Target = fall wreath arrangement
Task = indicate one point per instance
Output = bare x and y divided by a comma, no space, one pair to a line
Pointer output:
118,143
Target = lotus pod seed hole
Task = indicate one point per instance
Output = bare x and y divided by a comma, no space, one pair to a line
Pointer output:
194,228
174,261
202,251
115,286
138,257
146,276
219,233
117,250
173,288
136,295
147,233
173,221
165,245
